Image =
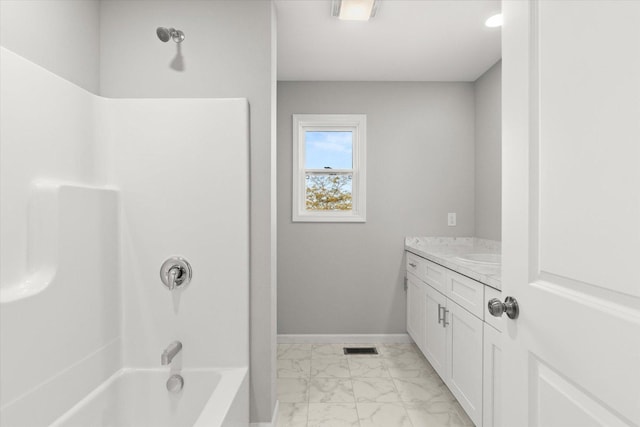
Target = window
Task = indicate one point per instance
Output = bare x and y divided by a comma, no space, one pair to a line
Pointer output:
329,167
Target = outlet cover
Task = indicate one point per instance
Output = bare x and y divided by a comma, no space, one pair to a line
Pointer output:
451,219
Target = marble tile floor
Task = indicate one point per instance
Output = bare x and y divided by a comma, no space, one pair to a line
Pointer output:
319,386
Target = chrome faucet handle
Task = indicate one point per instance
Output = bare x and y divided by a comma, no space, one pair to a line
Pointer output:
173,276
175,273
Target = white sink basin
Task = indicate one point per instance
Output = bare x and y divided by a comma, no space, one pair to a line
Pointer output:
489,259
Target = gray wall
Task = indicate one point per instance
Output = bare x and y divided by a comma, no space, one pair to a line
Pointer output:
489,154
348,278
228,51
61,36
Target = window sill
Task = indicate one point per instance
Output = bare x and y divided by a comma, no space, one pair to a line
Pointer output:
328,218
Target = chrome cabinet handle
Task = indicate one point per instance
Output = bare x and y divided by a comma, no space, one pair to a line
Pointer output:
413,264
439,313
509,306
444,317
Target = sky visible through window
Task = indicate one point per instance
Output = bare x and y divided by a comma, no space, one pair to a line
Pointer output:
332,149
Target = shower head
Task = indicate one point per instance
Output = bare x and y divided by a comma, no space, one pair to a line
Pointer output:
164,34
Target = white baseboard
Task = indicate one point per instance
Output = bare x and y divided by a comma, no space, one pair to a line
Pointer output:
274,418
344,339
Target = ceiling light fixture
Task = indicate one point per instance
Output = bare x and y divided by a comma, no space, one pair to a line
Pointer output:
354,10
494,21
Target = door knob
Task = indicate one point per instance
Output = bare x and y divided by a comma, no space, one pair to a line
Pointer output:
509,306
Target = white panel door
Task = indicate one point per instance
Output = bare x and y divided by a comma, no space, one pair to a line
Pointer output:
435,331
571,213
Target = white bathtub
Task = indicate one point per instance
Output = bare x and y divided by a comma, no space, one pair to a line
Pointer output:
139,398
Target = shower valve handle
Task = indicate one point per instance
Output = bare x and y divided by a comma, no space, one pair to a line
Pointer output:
175,273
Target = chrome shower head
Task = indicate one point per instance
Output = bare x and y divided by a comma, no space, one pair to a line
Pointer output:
164,34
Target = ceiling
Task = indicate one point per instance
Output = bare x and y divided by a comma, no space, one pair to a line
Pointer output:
407,40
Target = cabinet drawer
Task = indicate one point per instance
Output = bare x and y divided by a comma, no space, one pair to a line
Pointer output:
427,271
466,292
435,275
414,265
496,322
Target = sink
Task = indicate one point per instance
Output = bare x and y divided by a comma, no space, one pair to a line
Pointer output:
488,259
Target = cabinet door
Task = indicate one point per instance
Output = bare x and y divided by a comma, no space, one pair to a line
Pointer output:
491,394
464,356
415,311
435,332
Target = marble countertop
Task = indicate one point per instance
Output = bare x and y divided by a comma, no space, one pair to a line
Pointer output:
446,250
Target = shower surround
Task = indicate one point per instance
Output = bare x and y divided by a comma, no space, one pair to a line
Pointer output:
95,194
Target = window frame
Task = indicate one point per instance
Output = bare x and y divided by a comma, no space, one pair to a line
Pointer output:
357,124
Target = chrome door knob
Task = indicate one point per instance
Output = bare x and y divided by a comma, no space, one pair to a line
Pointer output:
509,306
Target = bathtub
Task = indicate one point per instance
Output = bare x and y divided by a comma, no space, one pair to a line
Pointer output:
139,398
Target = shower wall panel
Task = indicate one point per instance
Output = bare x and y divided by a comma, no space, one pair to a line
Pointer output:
95,194
183,168
48,131
60,308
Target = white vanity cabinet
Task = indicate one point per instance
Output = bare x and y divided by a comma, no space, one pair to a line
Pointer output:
452,336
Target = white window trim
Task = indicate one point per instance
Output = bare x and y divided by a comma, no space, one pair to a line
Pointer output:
357,123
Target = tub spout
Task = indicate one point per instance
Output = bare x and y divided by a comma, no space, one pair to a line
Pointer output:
170,352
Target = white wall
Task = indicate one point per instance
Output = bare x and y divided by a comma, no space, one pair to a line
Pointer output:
488,162
61,35
228,52
348,278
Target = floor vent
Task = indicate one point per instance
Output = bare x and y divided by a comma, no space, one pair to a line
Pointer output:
360,350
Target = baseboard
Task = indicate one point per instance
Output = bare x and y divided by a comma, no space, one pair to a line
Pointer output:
344,339
274,418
